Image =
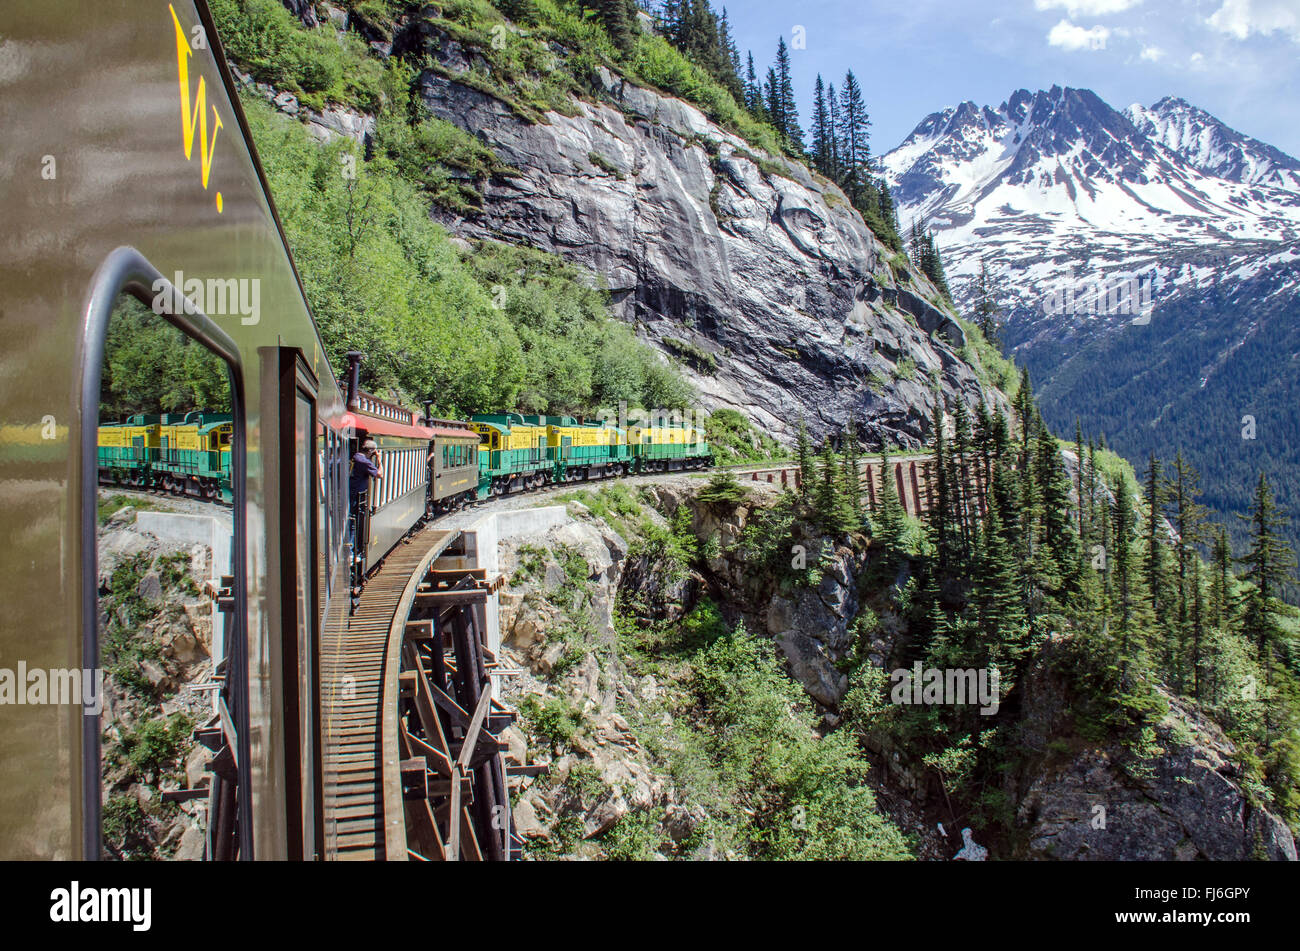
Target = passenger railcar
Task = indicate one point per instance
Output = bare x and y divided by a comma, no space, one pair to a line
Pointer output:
131,173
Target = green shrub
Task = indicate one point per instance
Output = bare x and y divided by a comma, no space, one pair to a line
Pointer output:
153,747
734,440
792,794
695,356
316,65
723,491
553,719
497,327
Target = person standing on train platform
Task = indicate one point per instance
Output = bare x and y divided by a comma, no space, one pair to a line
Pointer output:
366,465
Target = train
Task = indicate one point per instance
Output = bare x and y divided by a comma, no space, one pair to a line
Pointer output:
138,190
181,453
471,460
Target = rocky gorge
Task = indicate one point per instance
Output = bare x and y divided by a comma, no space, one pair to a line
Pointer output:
585,604
156,634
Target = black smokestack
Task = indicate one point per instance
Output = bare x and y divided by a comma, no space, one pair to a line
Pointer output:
354,376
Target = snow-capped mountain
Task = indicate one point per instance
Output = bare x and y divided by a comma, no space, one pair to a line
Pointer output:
1058,187
1205,143
1147,265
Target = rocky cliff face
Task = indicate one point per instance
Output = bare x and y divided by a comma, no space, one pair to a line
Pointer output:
1081,800
557,628
709,248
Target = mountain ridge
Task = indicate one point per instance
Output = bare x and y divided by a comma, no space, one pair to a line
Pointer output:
1134,255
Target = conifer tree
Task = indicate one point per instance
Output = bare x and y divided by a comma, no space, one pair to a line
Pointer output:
996,591
855,152
889,212
914,245
1053,512
730,57
1198,628
963,509
986,447
1026,414
932,264
1080,480
830,502
852,473
772,101
821,133
1269,564
754,92
804,456
1155,548
1126,566
1182,490
1221,561
784,95
833,130
986,307
618,16
940,515
889,518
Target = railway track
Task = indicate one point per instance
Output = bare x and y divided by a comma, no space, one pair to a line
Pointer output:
360,667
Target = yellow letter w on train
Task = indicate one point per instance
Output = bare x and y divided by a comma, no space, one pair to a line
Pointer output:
197,118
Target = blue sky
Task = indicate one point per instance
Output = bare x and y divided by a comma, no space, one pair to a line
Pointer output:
1238,59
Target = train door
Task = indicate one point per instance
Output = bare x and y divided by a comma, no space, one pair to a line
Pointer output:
293,471
165,762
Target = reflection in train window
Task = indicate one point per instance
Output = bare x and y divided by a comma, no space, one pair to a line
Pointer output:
305,472
165,541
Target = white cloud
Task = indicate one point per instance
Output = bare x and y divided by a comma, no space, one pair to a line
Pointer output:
1089,8
1070,37
1152,54
1197,61
1240,18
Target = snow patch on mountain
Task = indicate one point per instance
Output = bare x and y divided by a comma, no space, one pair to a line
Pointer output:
1056,187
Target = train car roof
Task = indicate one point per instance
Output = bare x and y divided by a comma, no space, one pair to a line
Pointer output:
444,432
385,427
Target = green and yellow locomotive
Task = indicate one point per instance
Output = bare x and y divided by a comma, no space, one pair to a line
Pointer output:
521,453
182,453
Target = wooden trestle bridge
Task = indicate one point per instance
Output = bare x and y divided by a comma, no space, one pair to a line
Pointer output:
412,765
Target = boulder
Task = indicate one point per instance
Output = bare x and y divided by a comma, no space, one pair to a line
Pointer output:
150,587
810,665
192,844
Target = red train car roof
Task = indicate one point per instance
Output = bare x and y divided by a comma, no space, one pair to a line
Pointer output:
384,427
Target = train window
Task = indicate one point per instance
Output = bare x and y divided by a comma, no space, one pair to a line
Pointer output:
305,496
165,575
323,493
